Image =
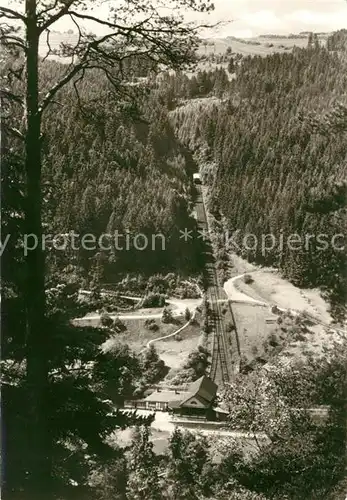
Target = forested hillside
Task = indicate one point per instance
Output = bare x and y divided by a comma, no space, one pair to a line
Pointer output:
110,168
275,172
113,169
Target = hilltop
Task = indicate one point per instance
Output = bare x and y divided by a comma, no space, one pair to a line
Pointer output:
261,45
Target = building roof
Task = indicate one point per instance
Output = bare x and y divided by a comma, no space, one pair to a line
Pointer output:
167,396
204,389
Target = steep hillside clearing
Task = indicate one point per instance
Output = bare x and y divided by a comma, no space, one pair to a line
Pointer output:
174,351
253,328
137,334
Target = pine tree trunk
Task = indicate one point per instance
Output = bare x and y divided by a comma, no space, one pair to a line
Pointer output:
39,466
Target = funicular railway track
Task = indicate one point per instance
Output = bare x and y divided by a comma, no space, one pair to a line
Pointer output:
220,368
219,362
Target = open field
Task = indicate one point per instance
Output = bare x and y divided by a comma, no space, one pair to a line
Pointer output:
252,328
175,352
270,287
261,46
289,340
137,335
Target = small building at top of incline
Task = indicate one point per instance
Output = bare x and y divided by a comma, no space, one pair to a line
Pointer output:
197,178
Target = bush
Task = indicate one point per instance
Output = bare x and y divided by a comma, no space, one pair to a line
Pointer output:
273,340
248,279
149,322
206,326
118,325
106,320
187,314
167,316
299,337
154,300
182,377
197,361
230,327
153,367
275,310
255,351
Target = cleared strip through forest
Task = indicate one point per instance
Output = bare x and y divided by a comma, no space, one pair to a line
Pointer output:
221,364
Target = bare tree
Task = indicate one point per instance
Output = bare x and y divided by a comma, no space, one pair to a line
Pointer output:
131,28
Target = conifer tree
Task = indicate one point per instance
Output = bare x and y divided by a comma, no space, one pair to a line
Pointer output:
143,482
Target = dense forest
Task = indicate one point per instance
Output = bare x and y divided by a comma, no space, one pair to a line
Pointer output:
127,169
113,172
115,169
271,167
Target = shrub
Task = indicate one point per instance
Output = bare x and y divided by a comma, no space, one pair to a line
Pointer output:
197,361
273,340
149,322
118,325
248,279
153,327
299,337
167,316
154,300
153,367
206,326
230,327
187,314
106,320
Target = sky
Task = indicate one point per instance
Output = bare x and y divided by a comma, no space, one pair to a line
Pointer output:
255,17
259,17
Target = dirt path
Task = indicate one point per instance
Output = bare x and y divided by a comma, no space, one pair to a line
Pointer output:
236,295
150,342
